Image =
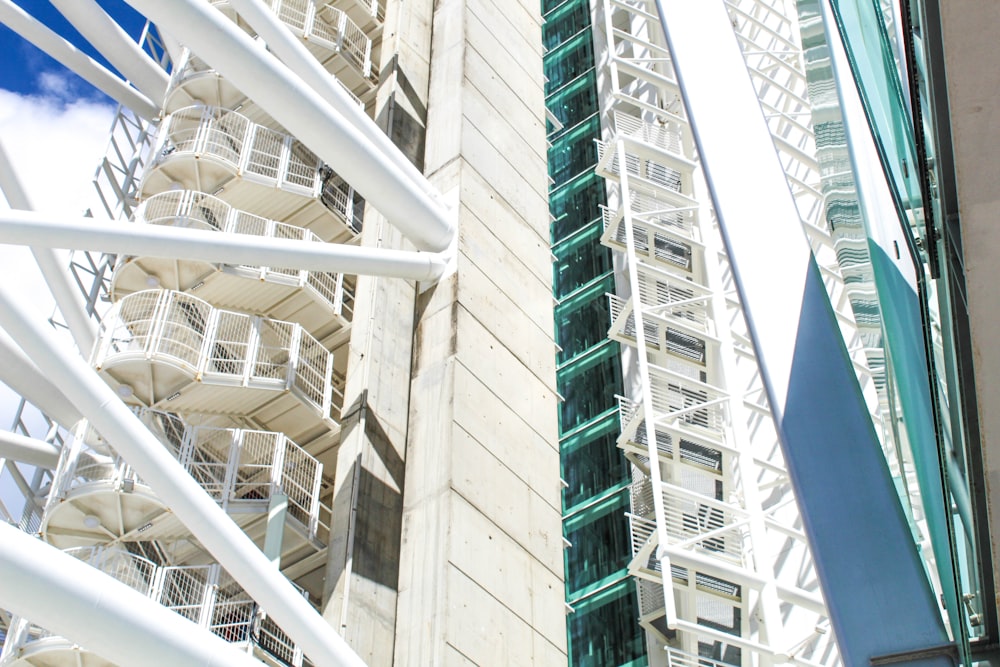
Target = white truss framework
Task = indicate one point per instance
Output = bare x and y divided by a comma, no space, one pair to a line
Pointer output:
239,177
711,501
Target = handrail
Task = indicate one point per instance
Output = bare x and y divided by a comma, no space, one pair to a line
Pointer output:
188,208
259,154
203,594
217,345
234,466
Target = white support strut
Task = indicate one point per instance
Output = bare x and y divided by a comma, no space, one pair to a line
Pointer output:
54,269
108,617
72,58
42,230
114,44
28,450
297,57
304,113
208,522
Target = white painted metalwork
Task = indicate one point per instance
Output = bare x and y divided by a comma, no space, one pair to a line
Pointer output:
90,70
114,44
711,502
304,113
52,266
208,523
41,582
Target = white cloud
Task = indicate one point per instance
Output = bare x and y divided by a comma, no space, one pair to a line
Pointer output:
55,145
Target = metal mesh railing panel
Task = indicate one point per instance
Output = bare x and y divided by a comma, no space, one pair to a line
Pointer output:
182,328
255,465
184,590
209,463
264,156
273,353
230,346
311,378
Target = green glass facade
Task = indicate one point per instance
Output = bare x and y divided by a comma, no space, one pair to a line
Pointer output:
603,629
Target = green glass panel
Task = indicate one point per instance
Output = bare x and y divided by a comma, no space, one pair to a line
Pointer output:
580,260
589,387
592,463
873,62
575,205
607,633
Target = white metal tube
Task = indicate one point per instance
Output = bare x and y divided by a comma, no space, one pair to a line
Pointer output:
304,113
204,518
293,53
72,599
20,374
104,33
68,55
39,229
54,269
28,450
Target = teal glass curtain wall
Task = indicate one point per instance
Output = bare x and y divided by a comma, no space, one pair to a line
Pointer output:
603,628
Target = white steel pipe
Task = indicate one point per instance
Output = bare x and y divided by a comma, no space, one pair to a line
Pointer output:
297,57
20,374
28,450
104,33
304,113
54,269
208,522
72,599
39,229
72,58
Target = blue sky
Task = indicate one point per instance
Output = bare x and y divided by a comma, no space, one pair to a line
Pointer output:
23,64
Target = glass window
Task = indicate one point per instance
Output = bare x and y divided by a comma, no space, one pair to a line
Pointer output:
565,22
601,542
590,388
607,633
592,462
583,323
568,61
576,204
579,261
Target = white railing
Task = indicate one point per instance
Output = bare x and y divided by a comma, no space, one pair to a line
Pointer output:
651,171
334,30
660,135
688,402
216,346
187,208
234,466
203,594
258,154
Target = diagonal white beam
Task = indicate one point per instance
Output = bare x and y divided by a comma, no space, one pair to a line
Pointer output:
28,450
20,374
304,113
104,33
208,522
72,58
40,229
68,597
293,53
54,269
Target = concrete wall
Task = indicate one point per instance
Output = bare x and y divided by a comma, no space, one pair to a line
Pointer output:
447,544
481,555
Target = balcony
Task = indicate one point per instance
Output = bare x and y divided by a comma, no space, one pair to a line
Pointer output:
218,151
321,302
330,34
175,352
194,82
204,594
96,496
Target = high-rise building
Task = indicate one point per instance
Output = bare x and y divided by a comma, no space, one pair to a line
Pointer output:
424,398
388,440
852,97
